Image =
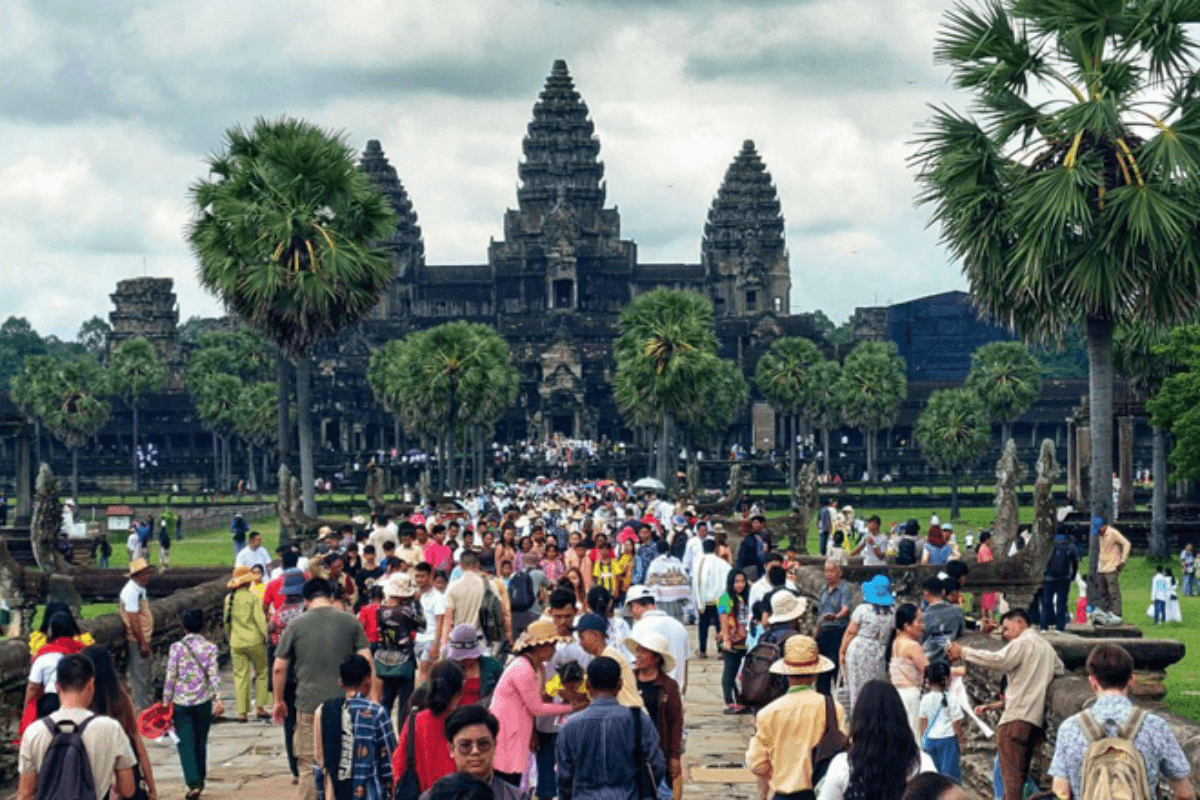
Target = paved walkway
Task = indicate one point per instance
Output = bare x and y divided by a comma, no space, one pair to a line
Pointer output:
248,760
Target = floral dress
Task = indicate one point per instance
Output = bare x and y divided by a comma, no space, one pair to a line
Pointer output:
865,653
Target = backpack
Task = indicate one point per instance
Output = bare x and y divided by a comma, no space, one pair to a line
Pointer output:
520,591
66,772
1059,567
906,551
491,614
1113,769
759,685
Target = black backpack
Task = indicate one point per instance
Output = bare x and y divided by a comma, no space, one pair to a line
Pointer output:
66,772
1059,567
520,591
906,551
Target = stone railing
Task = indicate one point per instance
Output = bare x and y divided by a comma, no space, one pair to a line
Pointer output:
110,632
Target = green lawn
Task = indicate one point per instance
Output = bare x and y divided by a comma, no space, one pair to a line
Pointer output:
202,548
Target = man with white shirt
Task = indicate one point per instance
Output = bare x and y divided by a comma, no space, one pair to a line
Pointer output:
707,586
433,606
874,545
694,549
640,602
254,554
385,530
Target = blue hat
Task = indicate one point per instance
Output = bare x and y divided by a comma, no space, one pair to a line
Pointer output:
878,591
293,583
1097,524
592,622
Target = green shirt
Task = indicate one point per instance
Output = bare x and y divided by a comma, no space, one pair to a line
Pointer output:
318,641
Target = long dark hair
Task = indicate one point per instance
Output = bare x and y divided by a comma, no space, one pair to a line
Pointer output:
882,749
906,614
739,600
110,698
445,683
52,609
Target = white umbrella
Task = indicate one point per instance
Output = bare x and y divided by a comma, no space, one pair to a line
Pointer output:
649,485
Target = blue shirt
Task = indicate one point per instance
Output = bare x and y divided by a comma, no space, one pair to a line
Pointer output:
595,750
374,741
641,561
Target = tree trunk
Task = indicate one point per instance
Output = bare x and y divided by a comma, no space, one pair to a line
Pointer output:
451,417
869,437
1160,545
75,471
266,467
651,469
954,495
283,427
134,454
251,476
1100,414
793,504
308,477
37,442
216,443
825,448
1005,433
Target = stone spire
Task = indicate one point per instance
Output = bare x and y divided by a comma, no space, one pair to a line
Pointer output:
407,240
560,150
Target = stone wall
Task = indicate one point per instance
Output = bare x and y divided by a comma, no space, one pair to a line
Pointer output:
108,630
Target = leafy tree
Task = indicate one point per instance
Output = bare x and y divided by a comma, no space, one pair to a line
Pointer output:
18,340
953,432
783,374
189,331
824,408
284,230
93,337
215,391
134,371
665,348
1007,378
869,392
1065,359
255,420
724,392
1175,407
65,394
1080,208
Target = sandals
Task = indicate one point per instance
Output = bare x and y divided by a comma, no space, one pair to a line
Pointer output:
193,794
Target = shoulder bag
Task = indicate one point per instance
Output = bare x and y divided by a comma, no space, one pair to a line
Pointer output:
833,741
408,787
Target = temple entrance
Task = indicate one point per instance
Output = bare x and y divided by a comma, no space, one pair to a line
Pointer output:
563,290
563,423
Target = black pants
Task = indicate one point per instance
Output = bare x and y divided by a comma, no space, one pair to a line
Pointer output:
1054,602
733,661
829,644
289,727
708,618
396,691
546,785
803,794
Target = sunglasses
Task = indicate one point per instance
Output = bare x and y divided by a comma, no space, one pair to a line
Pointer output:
465,746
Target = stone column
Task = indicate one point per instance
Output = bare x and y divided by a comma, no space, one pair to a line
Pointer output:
1125,461
24,508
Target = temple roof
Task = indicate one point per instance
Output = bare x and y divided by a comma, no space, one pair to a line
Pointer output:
669,273
745,215
560,149
383,175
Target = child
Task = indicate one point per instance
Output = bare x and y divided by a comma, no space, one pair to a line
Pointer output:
353,731
941,722
605,573
1160,593
1174,614
368,615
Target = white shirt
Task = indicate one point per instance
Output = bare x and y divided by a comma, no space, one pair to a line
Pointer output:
133,543
301,564
870,559
433,604
837,777
248,557
131,597
655,621
45,672
692,554
709,581
1160,588
761,587
939,718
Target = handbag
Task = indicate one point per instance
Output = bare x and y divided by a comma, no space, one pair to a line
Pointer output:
408,787
647,785
841,692
832,742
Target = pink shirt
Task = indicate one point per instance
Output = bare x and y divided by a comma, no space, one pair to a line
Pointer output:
516,700
437,555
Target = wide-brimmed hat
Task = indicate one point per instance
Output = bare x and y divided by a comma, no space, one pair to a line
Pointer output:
242,576
538,633
655,642
138,565
399,584
801,657
878,591
463,643
786,607
293,583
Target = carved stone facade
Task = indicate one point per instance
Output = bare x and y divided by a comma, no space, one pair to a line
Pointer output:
146,307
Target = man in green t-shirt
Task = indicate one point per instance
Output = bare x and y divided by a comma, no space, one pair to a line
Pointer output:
318,640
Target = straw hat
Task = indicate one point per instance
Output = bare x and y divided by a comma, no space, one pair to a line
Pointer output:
399,585
538,633
801,657
138,565
242,576
786,607
655,642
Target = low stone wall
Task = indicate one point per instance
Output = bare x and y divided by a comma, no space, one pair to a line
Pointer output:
109,631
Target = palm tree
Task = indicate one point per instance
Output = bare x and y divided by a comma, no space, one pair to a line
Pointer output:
1007,378
665,347
284,229
134,370
724,392
869,391
1080,208
824,408
255,417
953,432
784,375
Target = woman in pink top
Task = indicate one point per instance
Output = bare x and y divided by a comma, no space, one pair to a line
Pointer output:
518,699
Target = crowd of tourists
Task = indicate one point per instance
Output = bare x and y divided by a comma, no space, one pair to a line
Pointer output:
531,641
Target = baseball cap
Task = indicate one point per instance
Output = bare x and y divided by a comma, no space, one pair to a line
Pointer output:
592,622
639,592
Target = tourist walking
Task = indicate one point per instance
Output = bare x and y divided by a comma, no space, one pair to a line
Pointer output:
941,722
238,528
518,697
734,612
825,523
471,733
647,617
109,756
603,751
317,641
164,545
42,687
708,585
397,622
1187,569
984,555
592,631
865,646
660,698
247,627
111,700
599,601
942,620
190,691
1030,663
938,548
883,755
1160,594
354,739
481,671
139,628
431,757
787,729
1114,552
1110,668
833,616
1060,572
907,661
291,606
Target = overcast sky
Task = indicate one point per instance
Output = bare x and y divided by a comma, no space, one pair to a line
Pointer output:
107,111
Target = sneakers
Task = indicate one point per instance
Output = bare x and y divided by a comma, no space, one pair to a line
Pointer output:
734,709
1105,618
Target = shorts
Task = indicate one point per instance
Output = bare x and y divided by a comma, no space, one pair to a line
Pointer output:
423,650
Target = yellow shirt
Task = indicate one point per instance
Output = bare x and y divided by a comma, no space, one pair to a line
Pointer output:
629,696
788,730
1114,550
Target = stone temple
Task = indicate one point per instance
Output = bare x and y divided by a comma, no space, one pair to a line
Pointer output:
556,283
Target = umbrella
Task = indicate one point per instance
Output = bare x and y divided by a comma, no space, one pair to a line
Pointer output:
649,485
